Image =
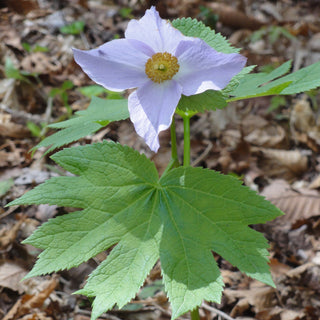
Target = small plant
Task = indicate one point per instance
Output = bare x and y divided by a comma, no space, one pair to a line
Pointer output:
34,48
62,92
12,72
181,68
37,131
126,13
272,33
209,18
74,28
276,102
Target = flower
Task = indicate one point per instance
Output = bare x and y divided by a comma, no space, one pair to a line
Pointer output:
162,64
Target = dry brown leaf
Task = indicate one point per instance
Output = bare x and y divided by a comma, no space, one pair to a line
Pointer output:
315,183
292,315
287,164
297,204
239,309
10,276
39,62
232,17
7,158
259,296
278,313
22,6
36,316
277,268
302,118
9,235
300,287
29,302
11,129
270,136
303,125
251,122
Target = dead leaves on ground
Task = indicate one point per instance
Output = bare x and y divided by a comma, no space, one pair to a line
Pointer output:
276,153
29,306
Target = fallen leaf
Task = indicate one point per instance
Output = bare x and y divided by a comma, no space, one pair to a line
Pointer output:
41,63
277,268
287,164
9,235
270,136
297,204
315,183
10,276
27,302
11,129
232,17
259,297
302,117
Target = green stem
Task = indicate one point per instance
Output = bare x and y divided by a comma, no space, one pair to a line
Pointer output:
195,314
174,150
174,162
186,140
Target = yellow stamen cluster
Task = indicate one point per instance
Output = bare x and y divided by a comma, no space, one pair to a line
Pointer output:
161,66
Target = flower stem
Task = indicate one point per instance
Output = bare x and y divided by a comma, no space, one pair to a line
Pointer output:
195,314
174,151
174,162
186,140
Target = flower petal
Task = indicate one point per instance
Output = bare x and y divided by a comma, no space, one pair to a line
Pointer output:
154,31
116,65
151,108
203,68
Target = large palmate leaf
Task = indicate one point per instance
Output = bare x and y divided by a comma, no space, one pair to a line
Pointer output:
98,114
180,218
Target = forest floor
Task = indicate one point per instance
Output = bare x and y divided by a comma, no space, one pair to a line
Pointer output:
271,143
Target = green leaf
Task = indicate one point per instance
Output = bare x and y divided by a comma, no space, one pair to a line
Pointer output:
74,28
180,218
194,28
208,100
151,289
96,90
233,84
26,46
99,113
274,83
303,80
5,186
34,129
12,72
67,85
260,84
39,48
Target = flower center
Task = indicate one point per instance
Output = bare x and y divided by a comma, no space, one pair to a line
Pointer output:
161,67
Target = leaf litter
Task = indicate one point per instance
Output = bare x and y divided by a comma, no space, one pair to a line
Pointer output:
274,152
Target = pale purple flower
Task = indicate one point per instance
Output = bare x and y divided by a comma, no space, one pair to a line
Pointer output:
162,64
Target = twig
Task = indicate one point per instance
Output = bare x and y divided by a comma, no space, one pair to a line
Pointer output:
47,115
3,214
203,154
219,312
85,41
21,115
